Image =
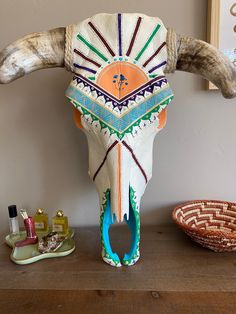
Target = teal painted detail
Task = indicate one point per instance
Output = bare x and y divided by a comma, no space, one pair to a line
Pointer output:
106,221
154,103
120,123
153,75
148,42
92,78
89,45
121,134
134,225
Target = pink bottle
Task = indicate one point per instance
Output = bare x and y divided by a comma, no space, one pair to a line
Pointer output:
31,236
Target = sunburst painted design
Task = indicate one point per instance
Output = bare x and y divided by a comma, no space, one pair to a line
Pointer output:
119,76
105,59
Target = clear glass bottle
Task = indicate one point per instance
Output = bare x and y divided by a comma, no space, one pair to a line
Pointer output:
13,221
41,220
60,223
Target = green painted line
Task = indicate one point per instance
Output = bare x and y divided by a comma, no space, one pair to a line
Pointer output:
92,47
153,75
148,42
129,129
92,78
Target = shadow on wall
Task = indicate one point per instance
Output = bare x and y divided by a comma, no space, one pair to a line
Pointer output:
43,150
62,149
154,216
158,216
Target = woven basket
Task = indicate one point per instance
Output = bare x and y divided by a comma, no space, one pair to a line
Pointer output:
210,223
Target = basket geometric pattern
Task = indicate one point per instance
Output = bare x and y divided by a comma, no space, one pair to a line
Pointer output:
210,223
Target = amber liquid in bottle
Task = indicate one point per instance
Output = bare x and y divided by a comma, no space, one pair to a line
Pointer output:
41,221
60,223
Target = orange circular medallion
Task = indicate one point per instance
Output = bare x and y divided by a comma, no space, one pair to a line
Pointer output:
121,78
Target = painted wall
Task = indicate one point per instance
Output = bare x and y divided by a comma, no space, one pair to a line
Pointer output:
43,157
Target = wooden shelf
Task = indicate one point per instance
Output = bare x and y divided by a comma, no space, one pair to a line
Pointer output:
174,275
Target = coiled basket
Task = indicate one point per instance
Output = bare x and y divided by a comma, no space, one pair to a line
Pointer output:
210,223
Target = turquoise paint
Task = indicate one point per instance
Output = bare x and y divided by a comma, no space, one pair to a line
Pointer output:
133,226
106,223
156,103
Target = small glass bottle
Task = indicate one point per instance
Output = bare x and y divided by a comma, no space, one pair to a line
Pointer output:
41,220
60,223
13,221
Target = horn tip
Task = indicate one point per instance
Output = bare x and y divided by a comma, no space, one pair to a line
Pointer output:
229,95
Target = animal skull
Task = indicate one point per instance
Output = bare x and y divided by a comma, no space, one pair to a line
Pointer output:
120,93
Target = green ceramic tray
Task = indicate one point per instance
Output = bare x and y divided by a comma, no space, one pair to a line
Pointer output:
30,254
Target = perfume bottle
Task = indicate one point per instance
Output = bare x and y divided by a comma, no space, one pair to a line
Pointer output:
41,220
13,221
60,223
31,236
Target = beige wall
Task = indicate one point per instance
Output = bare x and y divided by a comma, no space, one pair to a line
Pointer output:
43,157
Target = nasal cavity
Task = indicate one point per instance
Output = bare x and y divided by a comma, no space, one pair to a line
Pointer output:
120,238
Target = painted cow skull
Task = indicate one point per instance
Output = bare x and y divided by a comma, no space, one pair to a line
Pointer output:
120,93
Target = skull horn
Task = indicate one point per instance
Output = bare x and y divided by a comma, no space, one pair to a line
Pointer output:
196,56
32,52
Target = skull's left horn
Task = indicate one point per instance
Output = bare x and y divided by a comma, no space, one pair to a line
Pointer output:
198,57
32,52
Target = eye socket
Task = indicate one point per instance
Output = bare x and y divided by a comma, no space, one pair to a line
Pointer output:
77,118
162,119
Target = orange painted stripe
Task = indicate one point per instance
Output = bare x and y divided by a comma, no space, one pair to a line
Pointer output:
162,119
119,181
77,118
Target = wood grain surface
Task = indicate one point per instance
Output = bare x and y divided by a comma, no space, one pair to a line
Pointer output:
174,275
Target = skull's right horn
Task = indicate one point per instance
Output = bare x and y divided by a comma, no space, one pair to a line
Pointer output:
32,52
196,56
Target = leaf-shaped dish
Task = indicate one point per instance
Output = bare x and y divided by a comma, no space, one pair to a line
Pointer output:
30,253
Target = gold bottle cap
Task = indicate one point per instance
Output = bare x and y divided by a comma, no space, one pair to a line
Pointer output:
60,213
39,211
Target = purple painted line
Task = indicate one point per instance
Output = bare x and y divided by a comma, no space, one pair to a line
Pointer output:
155,54
102,39
149,83
84,68
119,34
104,160
134,36
136,160
86,58
157,67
